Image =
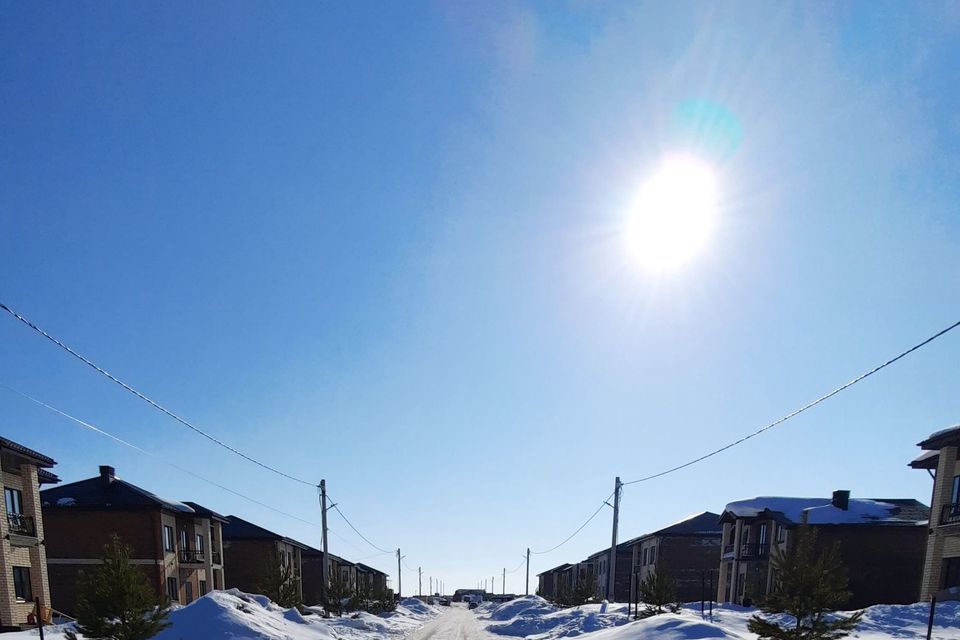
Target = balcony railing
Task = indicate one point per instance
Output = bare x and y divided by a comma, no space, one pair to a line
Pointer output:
754,550
21,525
950,514
728,549
216,557
191,556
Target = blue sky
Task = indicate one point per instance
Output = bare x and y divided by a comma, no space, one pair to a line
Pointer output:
382,244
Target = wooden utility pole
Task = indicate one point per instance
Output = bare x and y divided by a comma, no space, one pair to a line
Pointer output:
399,577
420,581
612,565
527,590
323,521
503,583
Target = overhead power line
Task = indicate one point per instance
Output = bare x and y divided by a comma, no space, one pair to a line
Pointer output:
152,403
126,443
579,529
805,407
350,524
517,568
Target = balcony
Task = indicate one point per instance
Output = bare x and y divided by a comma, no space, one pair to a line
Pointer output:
21,525
950,514
728,549
216,557
191,556
754,550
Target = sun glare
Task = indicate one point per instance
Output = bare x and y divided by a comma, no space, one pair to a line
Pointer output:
674,214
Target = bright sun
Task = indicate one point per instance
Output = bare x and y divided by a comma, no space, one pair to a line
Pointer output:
674,214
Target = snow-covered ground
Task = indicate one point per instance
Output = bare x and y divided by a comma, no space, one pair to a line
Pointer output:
534,618
234,615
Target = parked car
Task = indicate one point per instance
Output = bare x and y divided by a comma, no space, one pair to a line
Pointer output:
473,604
445,602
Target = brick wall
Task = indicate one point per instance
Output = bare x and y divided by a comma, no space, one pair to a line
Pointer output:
685,559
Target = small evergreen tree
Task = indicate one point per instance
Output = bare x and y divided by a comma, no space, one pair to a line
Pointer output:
658,590
116,601
339,594
278,582
811,583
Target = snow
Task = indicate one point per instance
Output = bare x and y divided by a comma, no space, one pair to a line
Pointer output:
538,620
817,510
234,615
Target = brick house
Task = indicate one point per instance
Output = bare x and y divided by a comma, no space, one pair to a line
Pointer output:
881,542
23,562
941,568
175,544
312,561
548,582
371,580
251,549
684,551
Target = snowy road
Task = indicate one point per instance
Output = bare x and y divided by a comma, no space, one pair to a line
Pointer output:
456,623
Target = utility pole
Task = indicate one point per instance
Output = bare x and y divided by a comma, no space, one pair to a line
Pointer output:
612,565
323,521
399,577
527,590
431,586
419,581
503,584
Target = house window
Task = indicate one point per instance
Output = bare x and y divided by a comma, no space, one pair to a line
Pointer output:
762,534
781,533
14,501
188,591
653,555
643,563
950,573
21,584
167,538
200,542
203,588
173,592
955,494
183,540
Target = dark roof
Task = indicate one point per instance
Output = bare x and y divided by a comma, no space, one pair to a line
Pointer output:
943,438
702,523
204,512
309,551
926,460
46,477
104,493
368,569
239,529
561,567
35,457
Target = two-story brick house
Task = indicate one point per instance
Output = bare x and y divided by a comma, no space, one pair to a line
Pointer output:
941,568
23,562
684,550
170,541
312,560
881,544
251,549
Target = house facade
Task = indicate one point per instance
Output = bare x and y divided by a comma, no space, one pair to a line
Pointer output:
176,546
881,544
251,549
312,560
941,568
685,551
370,580
548,582
23,554
600,566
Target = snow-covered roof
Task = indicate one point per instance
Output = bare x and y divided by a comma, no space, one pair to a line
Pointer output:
926,460
822,510
941,438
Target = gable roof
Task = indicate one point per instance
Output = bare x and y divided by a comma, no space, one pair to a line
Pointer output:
237,528
561,567
204,512
821,511
35,457
46,477
107,493
368,569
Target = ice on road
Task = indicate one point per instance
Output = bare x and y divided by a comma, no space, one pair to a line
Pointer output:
455,623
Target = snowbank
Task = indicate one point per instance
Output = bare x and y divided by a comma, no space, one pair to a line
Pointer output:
234,615
525,606
538,618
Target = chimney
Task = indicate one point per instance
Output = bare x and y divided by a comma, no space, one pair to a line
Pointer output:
107,473
841,499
